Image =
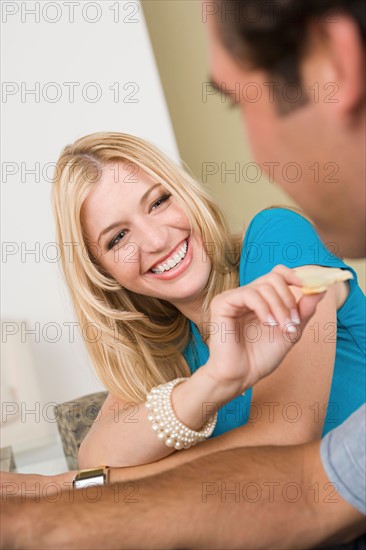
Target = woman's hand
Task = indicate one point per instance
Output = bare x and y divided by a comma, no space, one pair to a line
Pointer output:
253,327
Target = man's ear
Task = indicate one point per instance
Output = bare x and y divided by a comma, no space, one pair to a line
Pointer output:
335,62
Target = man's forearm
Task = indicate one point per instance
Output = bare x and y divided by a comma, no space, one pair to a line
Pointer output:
244,498
26,485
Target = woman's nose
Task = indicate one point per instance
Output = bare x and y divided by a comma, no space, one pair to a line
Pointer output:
153,238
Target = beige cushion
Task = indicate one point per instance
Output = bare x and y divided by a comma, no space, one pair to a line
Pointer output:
7,463
74,419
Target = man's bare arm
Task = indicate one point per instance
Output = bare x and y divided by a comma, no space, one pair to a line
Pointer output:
24,485
266,497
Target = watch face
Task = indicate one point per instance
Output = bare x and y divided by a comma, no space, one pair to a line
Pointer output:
81,482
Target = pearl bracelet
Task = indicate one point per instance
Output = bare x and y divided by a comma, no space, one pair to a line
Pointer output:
165,423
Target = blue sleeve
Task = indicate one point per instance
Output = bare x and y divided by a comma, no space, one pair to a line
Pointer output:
280,236
343,454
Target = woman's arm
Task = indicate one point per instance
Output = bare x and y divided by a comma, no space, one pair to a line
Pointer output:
235,364
290,406
122,435
298,390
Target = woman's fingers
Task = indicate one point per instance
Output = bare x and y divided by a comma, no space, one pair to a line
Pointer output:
263,300
270,298
234,303
308,303
274,287
281,302
287,274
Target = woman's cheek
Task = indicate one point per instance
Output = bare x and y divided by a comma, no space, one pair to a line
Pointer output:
123,254
130,253
177,216
122,265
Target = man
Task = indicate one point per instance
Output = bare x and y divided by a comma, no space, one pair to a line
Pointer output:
307,59
268,496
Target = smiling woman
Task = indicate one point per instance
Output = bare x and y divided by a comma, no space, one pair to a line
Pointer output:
125,185
177,304
153,241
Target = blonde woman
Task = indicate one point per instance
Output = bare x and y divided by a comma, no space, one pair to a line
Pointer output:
173,295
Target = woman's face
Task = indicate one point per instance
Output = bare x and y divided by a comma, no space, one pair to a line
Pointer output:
138,232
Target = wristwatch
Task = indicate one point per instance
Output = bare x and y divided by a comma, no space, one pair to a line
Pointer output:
93,476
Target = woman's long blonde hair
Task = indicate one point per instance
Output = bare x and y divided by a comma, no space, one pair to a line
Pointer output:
137,341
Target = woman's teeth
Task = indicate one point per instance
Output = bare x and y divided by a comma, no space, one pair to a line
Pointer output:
173,261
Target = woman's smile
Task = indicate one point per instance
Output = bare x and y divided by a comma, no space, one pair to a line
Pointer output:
173,264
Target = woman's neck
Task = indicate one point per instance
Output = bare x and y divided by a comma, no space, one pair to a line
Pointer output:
193,311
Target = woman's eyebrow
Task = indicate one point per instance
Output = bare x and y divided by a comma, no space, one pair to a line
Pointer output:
116,224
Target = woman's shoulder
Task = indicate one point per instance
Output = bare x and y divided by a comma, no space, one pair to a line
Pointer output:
282,235
280,229
276,217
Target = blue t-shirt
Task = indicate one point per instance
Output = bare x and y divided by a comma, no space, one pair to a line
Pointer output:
281,236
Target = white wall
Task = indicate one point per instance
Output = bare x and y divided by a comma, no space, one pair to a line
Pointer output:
114,51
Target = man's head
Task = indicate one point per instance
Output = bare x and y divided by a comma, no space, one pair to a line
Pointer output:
304,60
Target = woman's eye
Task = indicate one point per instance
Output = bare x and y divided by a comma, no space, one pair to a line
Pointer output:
116,239
160,201
122,233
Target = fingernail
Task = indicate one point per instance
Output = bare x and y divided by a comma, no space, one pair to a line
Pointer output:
289,326
271,320
295,316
